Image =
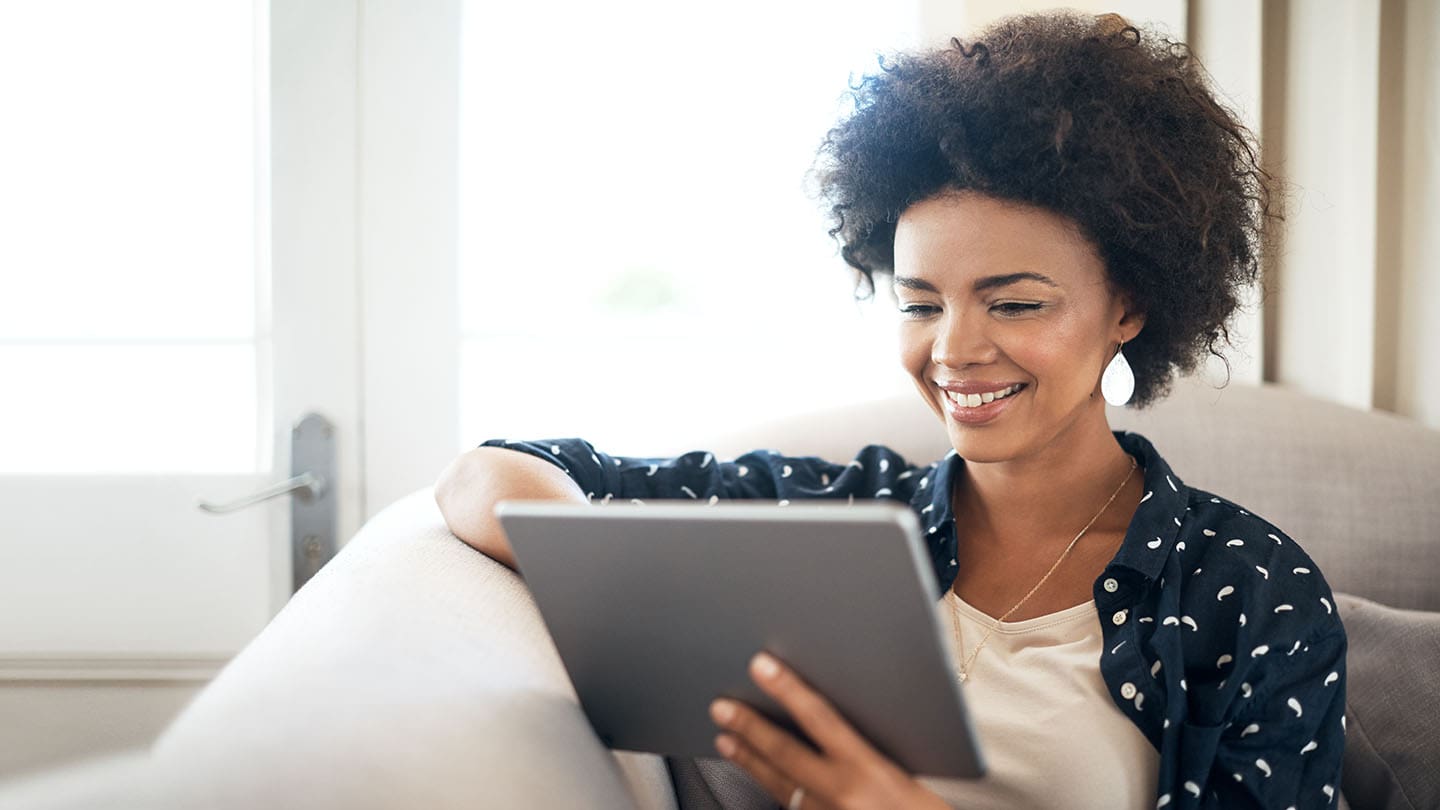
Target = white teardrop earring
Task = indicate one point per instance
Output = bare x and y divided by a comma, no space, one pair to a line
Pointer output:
1118,381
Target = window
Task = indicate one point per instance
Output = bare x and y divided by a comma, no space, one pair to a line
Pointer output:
128,269
640,261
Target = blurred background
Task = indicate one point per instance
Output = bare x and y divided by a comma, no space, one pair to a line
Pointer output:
426,223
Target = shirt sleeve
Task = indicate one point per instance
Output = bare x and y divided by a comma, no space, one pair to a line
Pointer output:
875,472
1285,746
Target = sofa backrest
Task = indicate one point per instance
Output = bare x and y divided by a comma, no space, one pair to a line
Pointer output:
1358,490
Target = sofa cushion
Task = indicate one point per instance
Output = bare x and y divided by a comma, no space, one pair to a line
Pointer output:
1392,711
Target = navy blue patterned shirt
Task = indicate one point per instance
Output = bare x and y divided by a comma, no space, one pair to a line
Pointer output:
1222,641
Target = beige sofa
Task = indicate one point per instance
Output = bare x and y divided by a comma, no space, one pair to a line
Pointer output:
415,672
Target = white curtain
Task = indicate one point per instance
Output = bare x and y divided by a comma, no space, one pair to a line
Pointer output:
1351,117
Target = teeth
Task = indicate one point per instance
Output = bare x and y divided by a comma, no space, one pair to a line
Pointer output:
976,400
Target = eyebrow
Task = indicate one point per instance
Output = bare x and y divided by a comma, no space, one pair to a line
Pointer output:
981,284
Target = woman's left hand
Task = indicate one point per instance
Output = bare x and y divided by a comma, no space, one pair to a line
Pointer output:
846,774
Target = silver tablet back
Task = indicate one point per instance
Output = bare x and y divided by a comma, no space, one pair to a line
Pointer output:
656,609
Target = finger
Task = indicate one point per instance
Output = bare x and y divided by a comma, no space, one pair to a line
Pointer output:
811,710
775,782
793,760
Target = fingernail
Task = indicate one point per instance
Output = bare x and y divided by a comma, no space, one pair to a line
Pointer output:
725,745
765,666
722,710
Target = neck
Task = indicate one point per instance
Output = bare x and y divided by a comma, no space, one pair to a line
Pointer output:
1042,500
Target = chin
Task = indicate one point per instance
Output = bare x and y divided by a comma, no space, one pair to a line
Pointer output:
981,448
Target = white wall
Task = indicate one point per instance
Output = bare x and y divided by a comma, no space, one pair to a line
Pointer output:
49,722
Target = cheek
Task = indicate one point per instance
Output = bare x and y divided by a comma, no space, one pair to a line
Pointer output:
914,349
1040,354
1058,352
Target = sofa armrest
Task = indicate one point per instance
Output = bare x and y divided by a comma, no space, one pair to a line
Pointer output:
411,671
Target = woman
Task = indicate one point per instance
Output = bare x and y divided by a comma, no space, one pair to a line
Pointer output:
1064,212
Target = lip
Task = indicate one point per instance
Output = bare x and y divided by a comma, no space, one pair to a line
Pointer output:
983,413
976,386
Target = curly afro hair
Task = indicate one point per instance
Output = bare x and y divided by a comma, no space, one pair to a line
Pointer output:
1086,117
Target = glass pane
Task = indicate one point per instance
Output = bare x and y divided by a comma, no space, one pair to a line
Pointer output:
128,268
129,165
634,220
128,409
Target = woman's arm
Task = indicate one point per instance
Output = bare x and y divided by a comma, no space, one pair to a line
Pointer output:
1286,745
475,481
573,469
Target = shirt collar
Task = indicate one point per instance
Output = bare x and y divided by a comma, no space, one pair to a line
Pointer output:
1152,531
1156,525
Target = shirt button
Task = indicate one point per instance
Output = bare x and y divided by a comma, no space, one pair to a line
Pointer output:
1111,585
1119,617
1127,690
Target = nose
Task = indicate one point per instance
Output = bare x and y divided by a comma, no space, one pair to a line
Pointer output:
961,341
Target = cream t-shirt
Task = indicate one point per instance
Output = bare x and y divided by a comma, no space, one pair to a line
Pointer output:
1048,730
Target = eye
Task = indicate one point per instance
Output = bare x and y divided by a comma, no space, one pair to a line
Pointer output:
915,310
1013,308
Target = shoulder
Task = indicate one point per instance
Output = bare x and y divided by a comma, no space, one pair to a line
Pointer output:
1233,540
1239,568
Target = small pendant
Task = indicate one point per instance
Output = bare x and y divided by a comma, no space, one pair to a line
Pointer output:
963,677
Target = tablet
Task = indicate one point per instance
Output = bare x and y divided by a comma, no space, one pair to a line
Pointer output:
657,608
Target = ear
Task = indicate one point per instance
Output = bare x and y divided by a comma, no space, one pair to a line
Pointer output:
1132,324
1130,319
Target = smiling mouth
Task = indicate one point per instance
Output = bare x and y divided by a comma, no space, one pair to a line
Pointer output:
976,400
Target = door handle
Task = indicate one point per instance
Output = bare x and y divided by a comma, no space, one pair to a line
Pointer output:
312,510
313,486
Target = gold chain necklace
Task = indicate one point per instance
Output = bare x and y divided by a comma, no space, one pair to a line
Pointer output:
965,665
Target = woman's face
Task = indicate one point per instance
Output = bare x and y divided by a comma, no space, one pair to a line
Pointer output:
968,321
